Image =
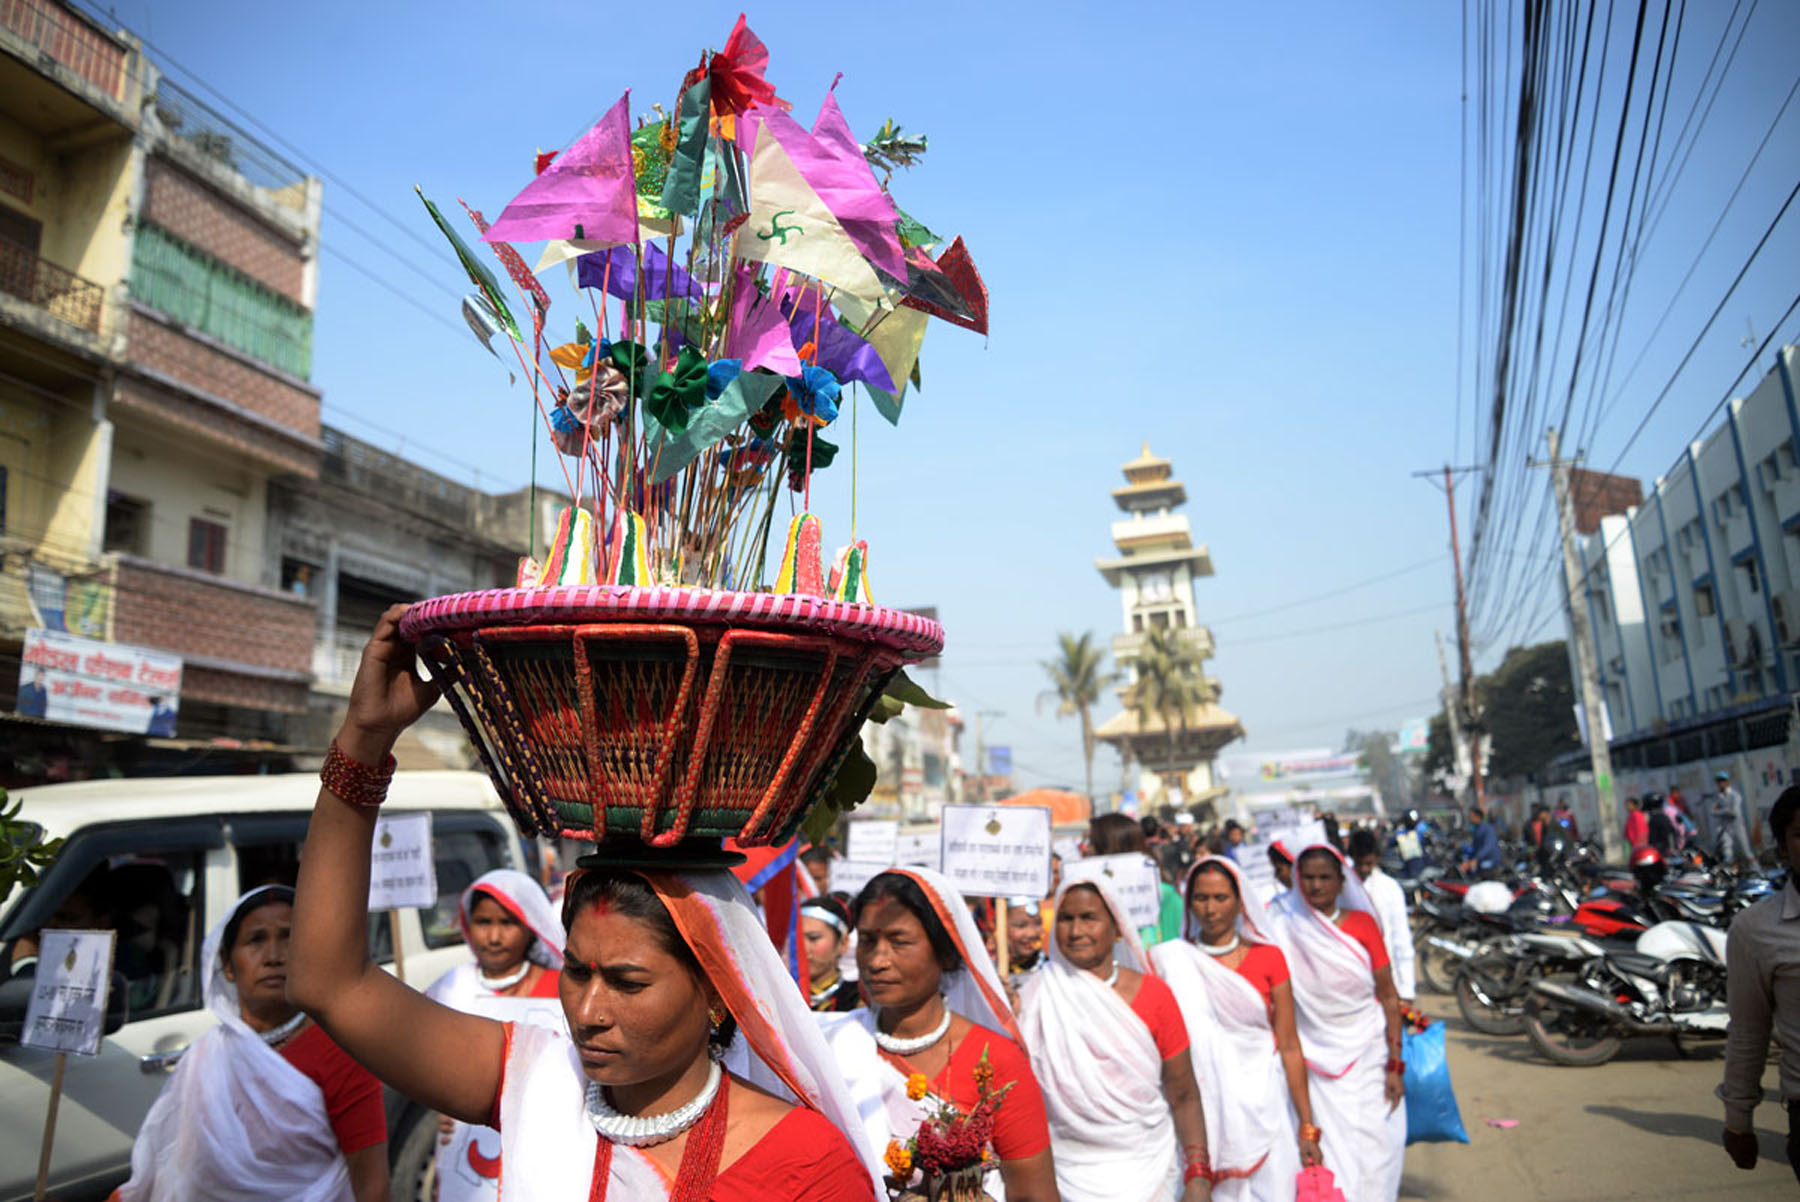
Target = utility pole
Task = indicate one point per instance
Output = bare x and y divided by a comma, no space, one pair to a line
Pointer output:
981,772
1587,660
1452,709
1470,717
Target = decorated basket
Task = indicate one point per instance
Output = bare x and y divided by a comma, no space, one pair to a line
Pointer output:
750,281
662,719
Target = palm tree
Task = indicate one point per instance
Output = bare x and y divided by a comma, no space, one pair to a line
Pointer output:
1171,682
1077,677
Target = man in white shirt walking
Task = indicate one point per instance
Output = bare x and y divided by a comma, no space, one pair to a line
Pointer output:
1390,907
1762,964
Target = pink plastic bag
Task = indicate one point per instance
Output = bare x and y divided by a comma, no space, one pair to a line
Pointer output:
1316,1184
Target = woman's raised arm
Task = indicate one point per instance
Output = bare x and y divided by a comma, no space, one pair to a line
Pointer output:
446,1060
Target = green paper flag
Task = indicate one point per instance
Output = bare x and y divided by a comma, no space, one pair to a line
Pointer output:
681,191
714,420
479,275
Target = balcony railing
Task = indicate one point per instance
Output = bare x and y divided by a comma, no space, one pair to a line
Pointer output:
39,282
68,39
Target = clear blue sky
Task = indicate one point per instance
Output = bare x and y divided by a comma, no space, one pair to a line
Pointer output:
1230,230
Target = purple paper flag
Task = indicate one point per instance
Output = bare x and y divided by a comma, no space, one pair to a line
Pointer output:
759,331
838,347
849,190
587,193
661,280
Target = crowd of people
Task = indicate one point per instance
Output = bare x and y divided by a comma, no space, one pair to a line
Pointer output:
649,1041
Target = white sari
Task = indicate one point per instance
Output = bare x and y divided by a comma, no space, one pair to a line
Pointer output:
548,1145
235,1122
1344,1031
468,1162
1101,1073
1250,1131
877,1088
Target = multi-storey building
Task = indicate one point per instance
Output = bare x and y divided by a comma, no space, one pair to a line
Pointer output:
1694,598
157,275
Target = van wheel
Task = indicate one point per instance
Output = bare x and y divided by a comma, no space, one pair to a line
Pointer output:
413,1166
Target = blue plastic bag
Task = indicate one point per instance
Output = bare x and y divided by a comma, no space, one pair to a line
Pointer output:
1431,1113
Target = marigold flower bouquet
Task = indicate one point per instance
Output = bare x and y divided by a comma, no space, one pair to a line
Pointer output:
950,1155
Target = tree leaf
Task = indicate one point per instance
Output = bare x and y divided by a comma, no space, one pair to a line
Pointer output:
903,688
886,708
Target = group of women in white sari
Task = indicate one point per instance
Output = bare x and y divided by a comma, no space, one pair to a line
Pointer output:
681,1062
1294,1027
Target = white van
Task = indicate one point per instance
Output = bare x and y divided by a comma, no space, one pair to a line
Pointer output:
160,860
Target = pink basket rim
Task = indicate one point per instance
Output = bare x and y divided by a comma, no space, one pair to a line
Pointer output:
895,629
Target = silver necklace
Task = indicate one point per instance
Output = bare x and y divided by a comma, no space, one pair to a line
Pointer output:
1221,949
1112,977
906,1047
1334,916
643,1130
275,1035
502,984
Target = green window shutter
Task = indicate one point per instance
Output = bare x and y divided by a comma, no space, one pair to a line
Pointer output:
198,290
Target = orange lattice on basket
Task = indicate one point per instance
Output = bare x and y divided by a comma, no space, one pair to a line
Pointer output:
662,716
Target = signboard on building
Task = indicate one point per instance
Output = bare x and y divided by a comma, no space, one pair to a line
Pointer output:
999,761
110,686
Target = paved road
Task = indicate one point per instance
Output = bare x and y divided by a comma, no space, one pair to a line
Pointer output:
1645,1126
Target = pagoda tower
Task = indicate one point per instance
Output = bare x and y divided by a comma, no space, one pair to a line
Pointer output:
1154,571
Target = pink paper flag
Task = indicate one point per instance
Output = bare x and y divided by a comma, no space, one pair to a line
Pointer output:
588,192
841,176
759,332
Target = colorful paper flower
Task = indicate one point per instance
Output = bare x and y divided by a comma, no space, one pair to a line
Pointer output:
737,73
679,392
822,453
814,394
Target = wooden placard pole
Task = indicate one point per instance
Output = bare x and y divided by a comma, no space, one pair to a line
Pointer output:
56,1089
399,948
1002,940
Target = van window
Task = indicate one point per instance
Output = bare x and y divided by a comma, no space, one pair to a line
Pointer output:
461,856
268,853
153,902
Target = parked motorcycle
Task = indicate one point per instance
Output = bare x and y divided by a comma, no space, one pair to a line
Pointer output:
1672,982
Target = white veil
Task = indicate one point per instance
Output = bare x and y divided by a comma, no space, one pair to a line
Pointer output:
526,900
236,1122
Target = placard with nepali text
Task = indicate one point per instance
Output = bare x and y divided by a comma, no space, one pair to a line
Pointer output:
849,876
67,1008
402,871
1131,878
997,851
873,840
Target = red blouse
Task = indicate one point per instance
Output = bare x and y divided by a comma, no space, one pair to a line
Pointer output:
547,985
803,1158
1363,928
1265,967
1020,1128
1156,1005
352,1094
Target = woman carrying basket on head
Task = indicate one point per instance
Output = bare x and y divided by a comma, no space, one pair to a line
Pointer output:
1349,1020
1111,1051
263,1107
515,936
1233,986
936,1011
630,1101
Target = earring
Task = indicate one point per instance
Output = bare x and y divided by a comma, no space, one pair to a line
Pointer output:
716,1015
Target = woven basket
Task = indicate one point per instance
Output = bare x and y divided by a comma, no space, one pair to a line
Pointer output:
662,720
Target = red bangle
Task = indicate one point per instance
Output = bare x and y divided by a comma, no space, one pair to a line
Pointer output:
353,782
1196,1170
1396,1066
1311,1133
